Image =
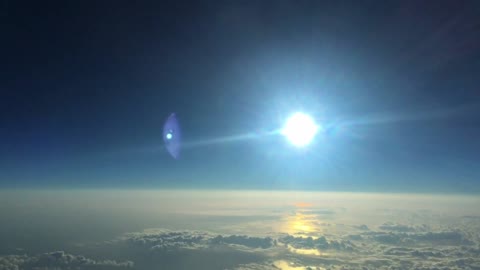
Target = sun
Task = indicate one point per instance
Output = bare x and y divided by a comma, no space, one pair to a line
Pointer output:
300,129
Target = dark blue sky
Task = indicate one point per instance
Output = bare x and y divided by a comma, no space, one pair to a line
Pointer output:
86,86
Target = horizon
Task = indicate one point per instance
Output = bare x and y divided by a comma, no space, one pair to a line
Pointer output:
231,190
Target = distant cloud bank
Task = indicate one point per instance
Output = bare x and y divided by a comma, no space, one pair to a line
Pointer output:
303,236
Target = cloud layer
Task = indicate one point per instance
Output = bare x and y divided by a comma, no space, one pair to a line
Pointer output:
59,260
317,234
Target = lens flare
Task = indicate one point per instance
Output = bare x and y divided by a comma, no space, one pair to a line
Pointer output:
172,136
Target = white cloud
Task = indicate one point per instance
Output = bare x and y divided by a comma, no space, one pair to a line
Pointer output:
59,260
279,235
317,243
369,250
455,238
389,226
166,239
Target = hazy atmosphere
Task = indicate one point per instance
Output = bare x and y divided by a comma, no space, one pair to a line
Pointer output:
252,135
221,229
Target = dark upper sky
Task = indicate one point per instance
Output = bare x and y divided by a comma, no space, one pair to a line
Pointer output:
85,87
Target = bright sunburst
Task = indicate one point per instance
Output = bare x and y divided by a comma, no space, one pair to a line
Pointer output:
300,129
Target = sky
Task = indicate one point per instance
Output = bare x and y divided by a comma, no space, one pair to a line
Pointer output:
85,89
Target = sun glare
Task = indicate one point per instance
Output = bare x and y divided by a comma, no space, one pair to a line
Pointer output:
300,129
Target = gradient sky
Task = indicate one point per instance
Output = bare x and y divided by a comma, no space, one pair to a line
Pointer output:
85,89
